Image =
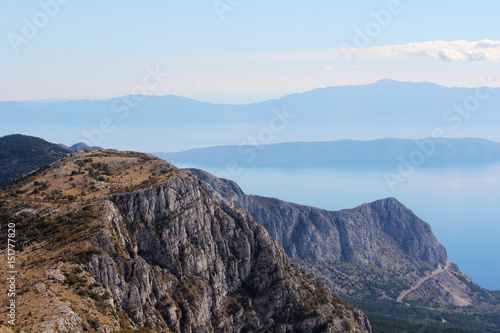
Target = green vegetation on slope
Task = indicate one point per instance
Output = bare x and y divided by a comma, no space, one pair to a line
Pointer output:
389,316
21,153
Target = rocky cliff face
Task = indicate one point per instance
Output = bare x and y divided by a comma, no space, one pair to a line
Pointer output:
170,253
377,250
369,234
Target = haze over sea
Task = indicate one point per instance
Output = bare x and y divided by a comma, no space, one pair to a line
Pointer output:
460,204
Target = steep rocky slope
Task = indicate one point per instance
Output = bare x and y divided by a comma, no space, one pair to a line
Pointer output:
375,251
112,241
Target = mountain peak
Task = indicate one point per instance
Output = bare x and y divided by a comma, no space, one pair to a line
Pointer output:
127,240
80,146
390,82
357,251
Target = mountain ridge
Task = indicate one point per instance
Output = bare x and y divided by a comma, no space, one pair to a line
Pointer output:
376,255
366,235
380,82
394,263
111,240
376,103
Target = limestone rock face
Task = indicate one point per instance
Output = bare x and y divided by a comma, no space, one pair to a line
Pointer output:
352,235
113,241
178,255
376,250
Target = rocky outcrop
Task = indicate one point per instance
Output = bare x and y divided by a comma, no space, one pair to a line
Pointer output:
179,255
369,234
376,250
115,241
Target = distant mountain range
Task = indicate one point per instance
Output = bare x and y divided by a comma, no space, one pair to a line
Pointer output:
382,102
79,146
345,153
384,106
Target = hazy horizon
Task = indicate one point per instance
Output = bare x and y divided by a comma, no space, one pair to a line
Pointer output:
69,49
232,99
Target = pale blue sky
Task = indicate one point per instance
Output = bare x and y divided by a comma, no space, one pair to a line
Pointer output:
260,49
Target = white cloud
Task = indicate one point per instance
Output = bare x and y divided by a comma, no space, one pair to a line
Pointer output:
458,50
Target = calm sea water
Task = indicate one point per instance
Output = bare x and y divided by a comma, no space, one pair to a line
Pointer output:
462,205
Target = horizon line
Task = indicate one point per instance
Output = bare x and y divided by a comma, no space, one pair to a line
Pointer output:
282,95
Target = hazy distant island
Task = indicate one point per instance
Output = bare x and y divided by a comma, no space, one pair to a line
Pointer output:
346,153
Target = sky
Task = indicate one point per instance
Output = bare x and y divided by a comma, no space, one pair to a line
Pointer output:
239,51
